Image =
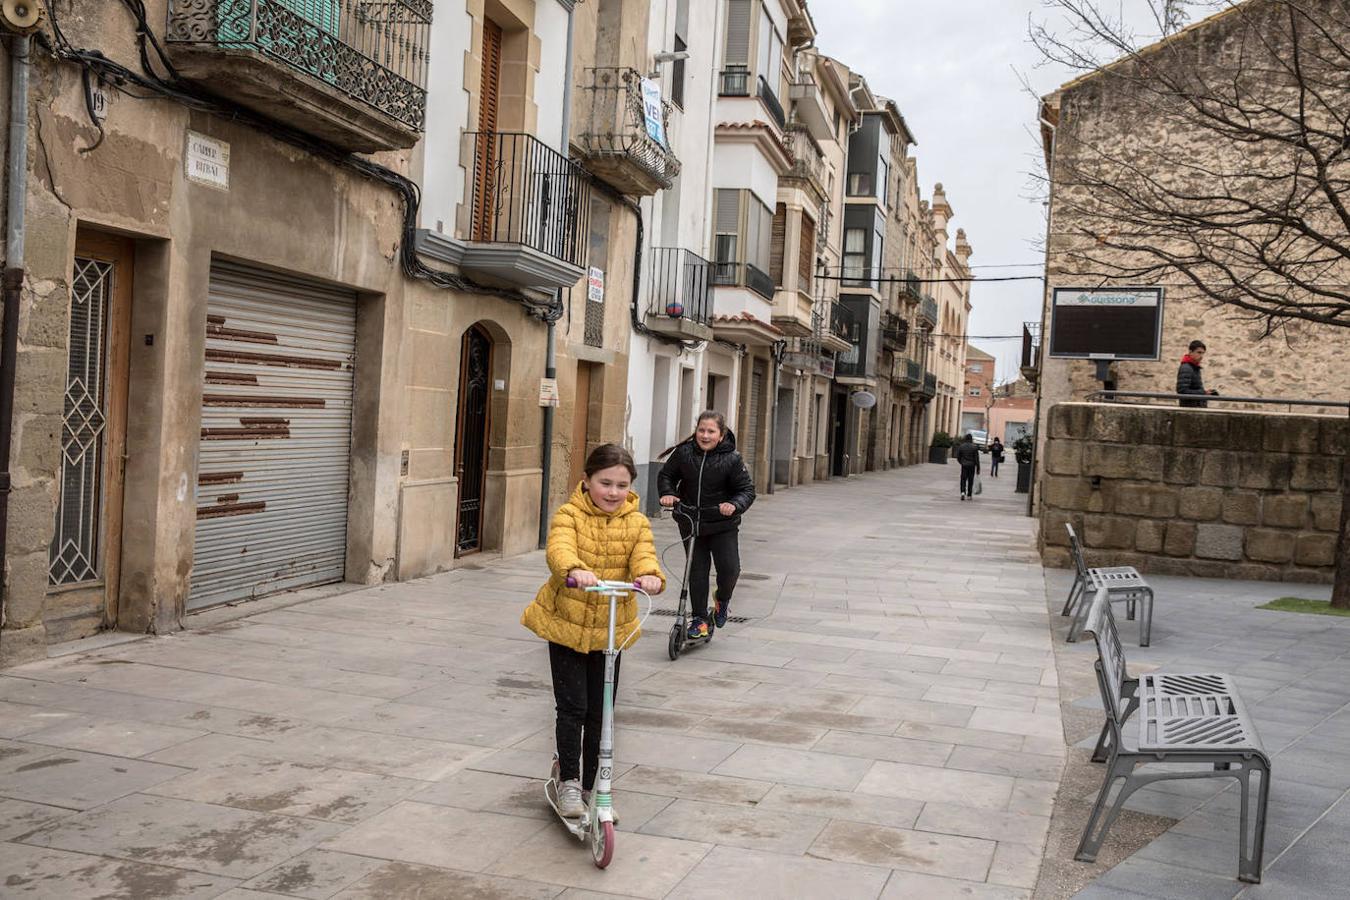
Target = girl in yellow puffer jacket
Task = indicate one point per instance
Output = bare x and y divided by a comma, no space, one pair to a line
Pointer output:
597,535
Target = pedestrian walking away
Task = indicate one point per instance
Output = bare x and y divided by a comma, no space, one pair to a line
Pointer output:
598,535
705,473
1189,378
995,457
968,455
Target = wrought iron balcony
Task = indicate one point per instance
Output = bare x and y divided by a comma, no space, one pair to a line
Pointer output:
679,299
353,72
529,212
618,142
733,274
909,372
808,163
734,82
833,330
910,288
894,332
929,388
770,101
928,311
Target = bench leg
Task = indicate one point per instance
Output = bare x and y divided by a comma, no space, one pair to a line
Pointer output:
1252,840
1079,620
1099,823
1103,749
1129,608
1146,625
1073,592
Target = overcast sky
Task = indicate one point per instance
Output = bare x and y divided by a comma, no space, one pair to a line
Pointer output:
952,67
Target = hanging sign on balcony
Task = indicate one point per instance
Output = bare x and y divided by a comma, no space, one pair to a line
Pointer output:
595,285
652,111
207,161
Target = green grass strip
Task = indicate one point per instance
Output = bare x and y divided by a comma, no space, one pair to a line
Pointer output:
1301,605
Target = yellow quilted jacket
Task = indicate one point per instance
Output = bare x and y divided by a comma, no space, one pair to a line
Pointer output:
616,547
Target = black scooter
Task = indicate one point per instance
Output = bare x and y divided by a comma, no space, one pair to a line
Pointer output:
679,632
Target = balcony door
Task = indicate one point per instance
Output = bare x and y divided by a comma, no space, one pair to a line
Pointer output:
485,153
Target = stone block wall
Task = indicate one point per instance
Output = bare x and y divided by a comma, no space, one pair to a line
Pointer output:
1210,493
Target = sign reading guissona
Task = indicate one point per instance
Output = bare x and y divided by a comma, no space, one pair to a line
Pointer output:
1106,323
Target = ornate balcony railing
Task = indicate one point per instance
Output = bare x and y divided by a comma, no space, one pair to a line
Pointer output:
808,163
525,192
680,285
771,103
376,52
930,384
617,142
910,287
842,322
894,332
928,310
733,274
734,81
910,373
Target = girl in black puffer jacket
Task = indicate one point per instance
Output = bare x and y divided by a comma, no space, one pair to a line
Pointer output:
706,474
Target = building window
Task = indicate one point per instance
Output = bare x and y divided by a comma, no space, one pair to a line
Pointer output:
677,75
977,368
855,255
884,177
860,184
974,392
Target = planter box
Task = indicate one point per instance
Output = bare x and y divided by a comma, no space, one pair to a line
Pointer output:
1023,477
939,455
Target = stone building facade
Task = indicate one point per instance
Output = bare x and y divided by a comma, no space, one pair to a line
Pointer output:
1108,108
1206,493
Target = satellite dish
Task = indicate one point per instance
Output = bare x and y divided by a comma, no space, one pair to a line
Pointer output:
863,399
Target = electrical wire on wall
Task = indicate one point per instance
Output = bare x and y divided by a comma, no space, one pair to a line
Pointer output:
150,84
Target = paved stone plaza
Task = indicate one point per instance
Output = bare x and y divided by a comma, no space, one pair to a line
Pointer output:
887,724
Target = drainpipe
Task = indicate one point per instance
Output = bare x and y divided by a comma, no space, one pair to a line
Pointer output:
551,338
17,183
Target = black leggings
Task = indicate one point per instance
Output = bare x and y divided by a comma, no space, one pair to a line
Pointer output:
968,480
721,550
579,692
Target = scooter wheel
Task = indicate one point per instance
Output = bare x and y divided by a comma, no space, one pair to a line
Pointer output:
676,643
602,844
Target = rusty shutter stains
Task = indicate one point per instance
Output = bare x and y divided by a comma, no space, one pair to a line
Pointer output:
275,436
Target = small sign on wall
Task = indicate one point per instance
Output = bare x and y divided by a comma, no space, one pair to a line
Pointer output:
548,392
595,285
207,161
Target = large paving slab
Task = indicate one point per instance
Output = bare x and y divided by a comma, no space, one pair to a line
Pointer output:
886,723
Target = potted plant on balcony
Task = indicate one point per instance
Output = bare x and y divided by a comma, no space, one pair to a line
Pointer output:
1022,452
940,448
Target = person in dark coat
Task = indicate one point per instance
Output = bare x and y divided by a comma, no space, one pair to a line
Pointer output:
995,457
1189,378
968,455
706,474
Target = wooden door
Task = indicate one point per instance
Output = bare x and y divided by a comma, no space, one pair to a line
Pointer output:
471,437
485,153
84,562
581,424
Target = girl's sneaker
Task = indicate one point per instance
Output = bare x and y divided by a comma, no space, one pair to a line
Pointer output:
719,611
697,629
571,805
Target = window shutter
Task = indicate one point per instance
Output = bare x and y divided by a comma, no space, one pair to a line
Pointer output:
490,86
806,254
776,241
484,157
738,33
728,211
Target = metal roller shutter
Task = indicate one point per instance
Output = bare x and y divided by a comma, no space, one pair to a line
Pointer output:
750,444
272,469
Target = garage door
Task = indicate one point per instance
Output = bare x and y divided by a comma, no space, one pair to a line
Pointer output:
276,436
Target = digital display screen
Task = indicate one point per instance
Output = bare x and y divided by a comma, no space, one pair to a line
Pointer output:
1119,323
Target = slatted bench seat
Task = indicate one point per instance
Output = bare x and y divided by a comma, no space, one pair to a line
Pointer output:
1178,718
1123,583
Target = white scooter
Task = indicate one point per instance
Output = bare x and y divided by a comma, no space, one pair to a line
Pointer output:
596,824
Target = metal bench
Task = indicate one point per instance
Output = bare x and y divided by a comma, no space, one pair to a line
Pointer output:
1124,583
1179,718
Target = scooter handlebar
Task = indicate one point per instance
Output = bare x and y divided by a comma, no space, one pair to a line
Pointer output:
607,585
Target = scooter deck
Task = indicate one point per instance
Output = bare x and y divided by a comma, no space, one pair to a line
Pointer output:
578,826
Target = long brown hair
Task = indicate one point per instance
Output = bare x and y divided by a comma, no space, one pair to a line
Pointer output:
607,456
704,416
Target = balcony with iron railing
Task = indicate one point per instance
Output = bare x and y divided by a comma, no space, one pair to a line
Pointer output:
909,287
894,332
832,323
734,274
1031,351
929,388
529,209
679,299
734,81
908,372
351,72
769,98
928,311
618,142
808,162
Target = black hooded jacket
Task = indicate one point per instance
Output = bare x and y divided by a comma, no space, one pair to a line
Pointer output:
705,480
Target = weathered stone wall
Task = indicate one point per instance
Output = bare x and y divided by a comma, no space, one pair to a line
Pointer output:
1210,493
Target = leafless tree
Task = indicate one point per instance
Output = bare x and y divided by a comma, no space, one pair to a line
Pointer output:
1236,184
